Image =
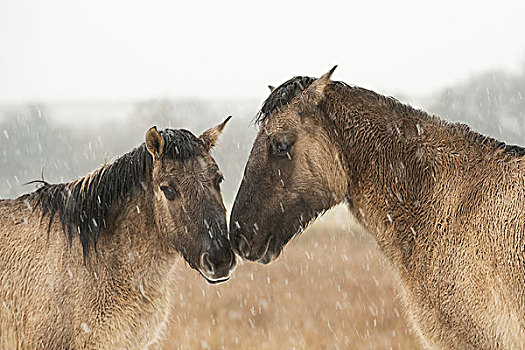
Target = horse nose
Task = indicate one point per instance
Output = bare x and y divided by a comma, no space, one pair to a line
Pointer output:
239,242
218,264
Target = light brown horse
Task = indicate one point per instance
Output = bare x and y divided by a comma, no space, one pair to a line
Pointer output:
89,264
445,204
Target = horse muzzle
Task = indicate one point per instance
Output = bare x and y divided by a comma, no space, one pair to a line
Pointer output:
216,267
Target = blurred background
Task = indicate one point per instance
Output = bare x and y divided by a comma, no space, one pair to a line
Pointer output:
80,83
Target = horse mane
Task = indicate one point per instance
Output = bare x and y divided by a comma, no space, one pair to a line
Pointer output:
83,205
282,96
285,93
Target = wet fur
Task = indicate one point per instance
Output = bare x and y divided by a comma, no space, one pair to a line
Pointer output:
54,294
444,203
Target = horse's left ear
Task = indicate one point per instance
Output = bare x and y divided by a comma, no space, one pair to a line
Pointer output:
154,143
209,137
315,92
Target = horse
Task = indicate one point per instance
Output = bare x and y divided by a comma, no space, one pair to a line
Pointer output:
90,264
443,202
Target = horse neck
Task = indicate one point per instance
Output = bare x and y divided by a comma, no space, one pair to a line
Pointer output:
133,250
392,167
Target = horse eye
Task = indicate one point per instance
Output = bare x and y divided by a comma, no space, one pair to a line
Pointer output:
281,148
169,191
218,180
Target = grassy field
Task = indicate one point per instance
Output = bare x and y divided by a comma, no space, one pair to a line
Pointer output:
332,289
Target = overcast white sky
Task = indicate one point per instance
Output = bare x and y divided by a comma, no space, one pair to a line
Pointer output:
102,49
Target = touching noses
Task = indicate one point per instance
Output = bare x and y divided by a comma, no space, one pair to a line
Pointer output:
238,241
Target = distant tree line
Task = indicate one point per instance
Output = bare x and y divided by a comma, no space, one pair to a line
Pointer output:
32,144
492,103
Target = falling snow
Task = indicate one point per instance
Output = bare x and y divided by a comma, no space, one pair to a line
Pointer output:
85,327
331,287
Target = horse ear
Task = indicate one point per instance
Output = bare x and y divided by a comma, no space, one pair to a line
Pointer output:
154,143
271,87
315,92
209,137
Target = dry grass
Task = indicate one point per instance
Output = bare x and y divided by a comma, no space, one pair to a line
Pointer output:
331,289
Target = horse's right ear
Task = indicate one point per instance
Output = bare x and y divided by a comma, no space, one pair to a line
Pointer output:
271,87
210,136
154,143
315,92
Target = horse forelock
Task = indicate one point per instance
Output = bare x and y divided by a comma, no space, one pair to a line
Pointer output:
83,205
282,96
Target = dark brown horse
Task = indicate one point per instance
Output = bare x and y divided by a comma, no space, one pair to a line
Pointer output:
89,263
445,204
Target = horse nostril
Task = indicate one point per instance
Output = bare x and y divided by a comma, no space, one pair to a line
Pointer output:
244,246
206,263
233,260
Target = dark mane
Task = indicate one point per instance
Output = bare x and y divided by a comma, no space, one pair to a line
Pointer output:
284,94
83,205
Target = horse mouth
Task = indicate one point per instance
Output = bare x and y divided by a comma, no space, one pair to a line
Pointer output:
271,252
214,280
217,281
